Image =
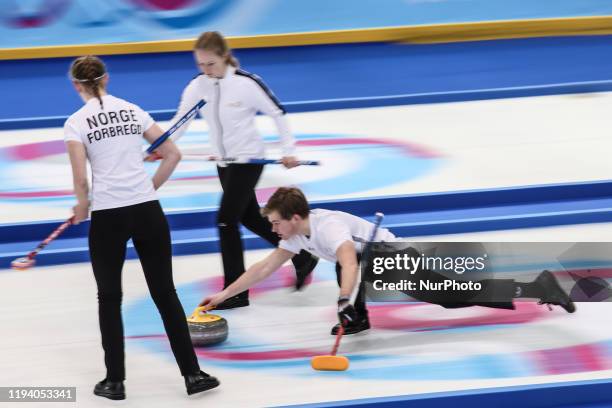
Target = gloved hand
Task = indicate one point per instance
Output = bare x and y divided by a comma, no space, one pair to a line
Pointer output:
346,311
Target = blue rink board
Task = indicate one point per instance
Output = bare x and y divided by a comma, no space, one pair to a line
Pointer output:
321,77
406,216
578,394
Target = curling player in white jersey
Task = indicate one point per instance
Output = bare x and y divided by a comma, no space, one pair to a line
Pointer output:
340,237
233,97
108,132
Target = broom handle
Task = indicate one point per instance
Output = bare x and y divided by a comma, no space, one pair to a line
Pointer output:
337,343
50,238
366,250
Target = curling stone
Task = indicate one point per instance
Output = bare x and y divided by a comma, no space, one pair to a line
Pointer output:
21,264
206,329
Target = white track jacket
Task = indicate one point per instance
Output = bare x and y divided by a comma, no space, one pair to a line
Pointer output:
231,105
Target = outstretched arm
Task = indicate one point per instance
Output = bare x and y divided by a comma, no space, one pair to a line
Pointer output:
256,273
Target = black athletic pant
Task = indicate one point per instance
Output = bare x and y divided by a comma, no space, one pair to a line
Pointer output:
495,293
239,206
146,225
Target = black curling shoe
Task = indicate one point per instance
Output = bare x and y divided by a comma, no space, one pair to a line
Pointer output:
200,382
110,389
554,293
233,302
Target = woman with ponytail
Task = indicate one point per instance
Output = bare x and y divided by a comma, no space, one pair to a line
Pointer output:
108,132
233,97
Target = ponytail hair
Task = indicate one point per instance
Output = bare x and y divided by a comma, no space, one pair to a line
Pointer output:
89,71
214,42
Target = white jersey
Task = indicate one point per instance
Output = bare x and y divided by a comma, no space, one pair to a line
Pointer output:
231,105
330,229
113,139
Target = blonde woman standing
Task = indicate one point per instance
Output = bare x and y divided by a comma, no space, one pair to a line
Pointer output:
233,98
107,131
